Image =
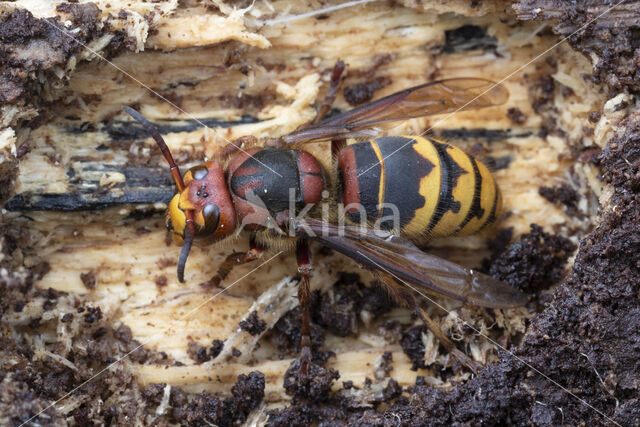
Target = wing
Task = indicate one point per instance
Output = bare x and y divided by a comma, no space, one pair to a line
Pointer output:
380,250
438,97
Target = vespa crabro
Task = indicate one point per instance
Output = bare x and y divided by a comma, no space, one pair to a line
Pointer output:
403,189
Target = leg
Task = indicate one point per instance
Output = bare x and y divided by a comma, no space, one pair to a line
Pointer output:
325,107
304,296
236,145
444,340
337,145
404,296
336,80
255,252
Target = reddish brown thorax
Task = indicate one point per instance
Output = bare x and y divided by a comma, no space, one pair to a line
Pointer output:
265,183
207,194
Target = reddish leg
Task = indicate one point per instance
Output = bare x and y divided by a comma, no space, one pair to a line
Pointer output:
336,80
235,145
337,145
304,297
404,296
255,252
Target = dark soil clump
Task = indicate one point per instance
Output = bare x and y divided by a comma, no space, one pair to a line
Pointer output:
360,93
314,386
562,194
340,308
533,263
206,409
413,347
602,30
254,325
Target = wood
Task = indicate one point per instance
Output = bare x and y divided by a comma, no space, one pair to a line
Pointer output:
94,185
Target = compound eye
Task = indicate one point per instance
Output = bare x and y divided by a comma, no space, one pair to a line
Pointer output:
197,173
211,216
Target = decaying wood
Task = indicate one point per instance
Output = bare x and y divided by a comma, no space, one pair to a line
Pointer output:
93,184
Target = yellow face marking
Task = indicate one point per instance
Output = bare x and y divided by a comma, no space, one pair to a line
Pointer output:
184,202
187,178
199,218
429,188
176,215
376,150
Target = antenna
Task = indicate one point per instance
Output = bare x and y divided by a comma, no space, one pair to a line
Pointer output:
189,231
153,131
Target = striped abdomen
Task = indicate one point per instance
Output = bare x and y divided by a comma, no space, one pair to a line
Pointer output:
436,188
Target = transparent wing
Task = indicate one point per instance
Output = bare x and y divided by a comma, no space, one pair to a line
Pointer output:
438,97
400,258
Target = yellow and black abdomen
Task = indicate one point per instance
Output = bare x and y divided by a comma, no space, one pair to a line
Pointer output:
419,185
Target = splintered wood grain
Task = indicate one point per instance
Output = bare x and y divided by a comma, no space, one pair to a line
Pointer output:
353,366
275,73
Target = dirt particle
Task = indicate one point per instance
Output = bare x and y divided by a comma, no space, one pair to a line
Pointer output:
621,157
89,279
161,281
34,47
203,409
413,346
198,352
314,386
516,116
93,314
363,92
216,348
286,335
206,409
100,332
391,391
22,150
247,393
253,324
391,330
541,94
563,194
340,308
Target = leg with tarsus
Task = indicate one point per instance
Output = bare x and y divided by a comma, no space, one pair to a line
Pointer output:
336,81
337,77
236,145
237,258
304,296
403,295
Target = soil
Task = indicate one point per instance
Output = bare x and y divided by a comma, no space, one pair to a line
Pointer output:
254,325
206,409
360,93
598,30
562,194
579,362
534,263
25,37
